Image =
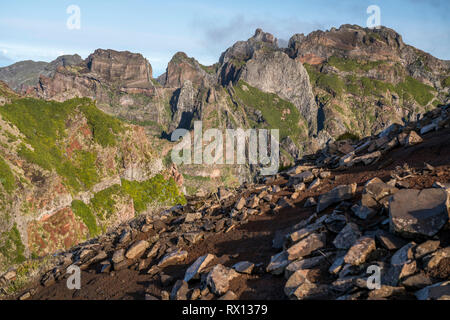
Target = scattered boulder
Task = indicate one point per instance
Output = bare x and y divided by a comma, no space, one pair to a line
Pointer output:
437,291
418,212
278,263
244,267
306,246
118,256
338,194
230,295
137,249
363,212
179,290
241,203
219,278
201,263
347,237
410,139
173,258
310,202
360,251
303,264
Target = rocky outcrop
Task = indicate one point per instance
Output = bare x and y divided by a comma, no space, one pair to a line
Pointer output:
130,70
182,68
117,71
275,72
259,62
24,74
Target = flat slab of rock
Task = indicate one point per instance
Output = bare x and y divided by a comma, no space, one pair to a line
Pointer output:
244,267
241,203
197,267
304,264
418,212
219,278
173,258
360,251
118,256
347,237
306,246
278,263
380,190
338,194
137,249
390,241
190,217
436,291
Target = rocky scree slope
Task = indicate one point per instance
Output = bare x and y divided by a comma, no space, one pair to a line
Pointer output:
69,172
310,232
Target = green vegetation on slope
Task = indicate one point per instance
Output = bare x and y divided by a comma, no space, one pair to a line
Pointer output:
104,127
103,203
408,89
278,113
6,176
352,65
155,190
421,92
446,82
43,123
11,247
348,136
81,210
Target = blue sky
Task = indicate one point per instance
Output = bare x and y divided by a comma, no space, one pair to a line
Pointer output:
37,30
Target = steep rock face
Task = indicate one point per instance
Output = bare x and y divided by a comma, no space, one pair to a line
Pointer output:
182,68
234,57
244,50
275,72
21,75
259,62
186,106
